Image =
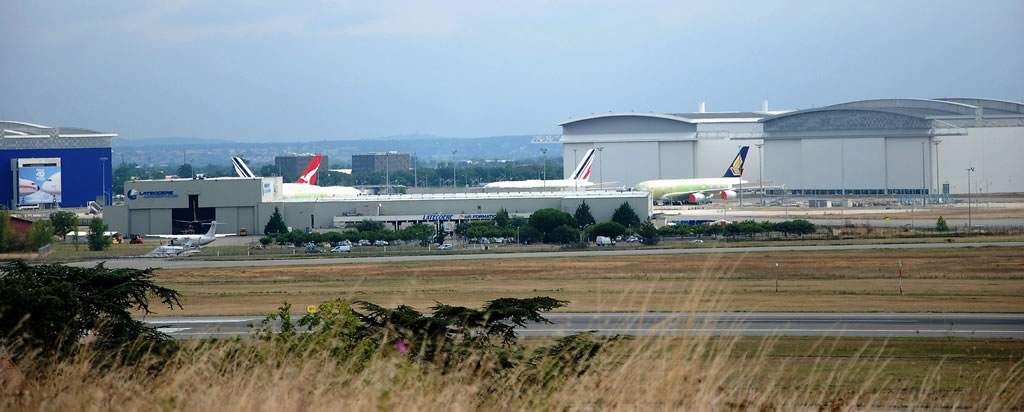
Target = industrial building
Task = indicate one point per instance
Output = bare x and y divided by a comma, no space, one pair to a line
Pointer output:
290,167
381,162
33,157
174,206
871,147
634,147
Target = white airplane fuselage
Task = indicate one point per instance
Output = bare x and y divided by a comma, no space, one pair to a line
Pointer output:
540,184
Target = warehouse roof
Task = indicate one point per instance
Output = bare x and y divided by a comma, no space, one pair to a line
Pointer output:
13,129
900,114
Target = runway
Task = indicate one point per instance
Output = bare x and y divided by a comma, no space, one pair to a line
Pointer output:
881,325
142,263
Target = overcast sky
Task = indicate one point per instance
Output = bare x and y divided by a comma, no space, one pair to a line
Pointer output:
276,71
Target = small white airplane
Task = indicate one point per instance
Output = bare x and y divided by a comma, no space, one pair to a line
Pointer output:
580,178
193,241
168,251
305,187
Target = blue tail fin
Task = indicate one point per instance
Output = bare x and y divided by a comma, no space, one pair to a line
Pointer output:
736,168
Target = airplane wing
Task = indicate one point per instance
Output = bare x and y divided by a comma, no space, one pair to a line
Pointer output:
171,236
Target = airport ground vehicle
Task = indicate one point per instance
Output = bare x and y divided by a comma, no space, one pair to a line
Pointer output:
604,241
136,240
341,249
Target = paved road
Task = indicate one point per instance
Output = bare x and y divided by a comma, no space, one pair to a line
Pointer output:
142,263
987,325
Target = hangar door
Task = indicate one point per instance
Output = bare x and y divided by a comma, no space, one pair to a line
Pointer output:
138,222
247,219
192,219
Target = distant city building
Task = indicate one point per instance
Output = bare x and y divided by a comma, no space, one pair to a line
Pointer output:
379,162
291,166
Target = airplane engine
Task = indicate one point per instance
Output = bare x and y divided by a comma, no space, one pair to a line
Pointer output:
728,194
697,197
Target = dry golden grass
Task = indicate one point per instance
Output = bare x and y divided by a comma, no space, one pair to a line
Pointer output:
679,373
967,280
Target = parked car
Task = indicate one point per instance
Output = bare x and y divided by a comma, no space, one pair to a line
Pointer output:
364,242
446,246
341,249
380,243
313,250
696,241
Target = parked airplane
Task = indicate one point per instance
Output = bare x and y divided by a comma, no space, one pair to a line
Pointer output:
580,178
699,190
305,187
193,240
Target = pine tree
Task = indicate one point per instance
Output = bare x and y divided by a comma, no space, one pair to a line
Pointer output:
275,224
941,226
625,216
583,216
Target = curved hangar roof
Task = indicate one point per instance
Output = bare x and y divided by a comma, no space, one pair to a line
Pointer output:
10,128
898,116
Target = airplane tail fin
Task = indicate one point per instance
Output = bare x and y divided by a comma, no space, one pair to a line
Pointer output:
241,168
213,229
736,168
309,175
582,171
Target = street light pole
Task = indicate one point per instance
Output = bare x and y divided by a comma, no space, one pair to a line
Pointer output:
544,173
938,182
454,184
103,179
576,186
387,173
415,176
741,182
760,171
970,224
600,165
924,174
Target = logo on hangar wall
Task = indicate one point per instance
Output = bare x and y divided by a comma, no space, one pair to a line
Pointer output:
153,194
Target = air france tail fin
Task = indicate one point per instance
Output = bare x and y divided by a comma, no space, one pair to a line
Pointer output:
241,168
309,175
736,168
582,171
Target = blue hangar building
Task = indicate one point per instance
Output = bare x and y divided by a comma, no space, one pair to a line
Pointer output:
33,159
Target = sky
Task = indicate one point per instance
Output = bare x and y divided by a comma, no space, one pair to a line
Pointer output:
273,71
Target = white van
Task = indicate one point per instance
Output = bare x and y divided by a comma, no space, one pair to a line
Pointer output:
604,241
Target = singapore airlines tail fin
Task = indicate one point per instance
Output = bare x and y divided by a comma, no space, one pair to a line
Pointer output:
309,175
241,168
582,171
736,168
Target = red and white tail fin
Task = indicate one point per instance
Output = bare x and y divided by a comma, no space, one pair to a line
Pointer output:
309,175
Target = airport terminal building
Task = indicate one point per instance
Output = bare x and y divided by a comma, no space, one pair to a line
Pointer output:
175,206
870,147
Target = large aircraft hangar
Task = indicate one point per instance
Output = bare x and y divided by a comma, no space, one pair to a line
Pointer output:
176,206
870,147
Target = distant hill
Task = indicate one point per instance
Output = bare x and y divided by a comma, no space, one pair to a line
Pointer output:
201,151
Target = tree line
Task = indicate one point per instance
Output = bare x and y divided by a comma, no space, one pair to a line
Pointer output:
542,226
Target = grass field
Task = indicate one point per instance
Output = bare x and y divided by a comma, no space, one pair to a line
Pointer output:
962,280
683,373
